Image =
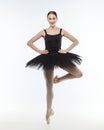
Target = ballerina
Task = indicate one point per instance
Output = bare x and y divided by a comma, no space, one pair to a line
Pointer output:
53,56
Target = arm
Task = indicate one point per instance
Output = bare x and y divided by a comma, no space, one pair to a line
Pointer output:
35,38
70,37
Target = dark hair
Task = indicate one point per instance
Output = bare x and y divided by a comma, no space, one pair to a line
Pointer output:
52,12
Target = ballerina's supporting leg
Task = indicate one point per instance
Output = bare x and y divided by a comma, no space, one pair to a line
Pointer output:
73,72
49,86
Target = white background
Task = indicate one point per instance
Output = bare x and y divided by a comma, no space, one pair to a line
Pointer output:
78,103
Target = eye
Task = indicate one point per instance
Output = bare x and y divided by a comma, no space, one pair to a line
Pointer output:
53,18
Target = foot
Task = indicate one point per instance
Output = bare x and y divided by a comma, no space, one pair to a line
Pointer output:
56,79
49,113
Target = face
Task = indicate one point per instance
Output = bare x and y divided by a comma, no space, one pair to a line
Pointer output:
52,19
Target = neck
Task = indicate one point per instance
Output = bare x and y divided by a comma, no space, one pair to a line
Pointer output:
53,27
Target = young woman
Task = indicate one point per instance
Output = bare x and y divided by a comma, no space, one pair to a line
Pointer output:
53,56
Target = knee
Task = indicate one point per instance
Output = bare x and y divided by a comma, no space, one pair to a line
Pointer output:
79,75
49,90
49,85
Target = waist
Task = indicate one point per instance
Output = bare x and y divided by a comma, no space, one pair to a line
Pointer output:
53,50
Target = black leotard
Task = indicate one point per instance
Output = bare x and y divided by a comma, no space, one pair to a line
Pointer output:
53,42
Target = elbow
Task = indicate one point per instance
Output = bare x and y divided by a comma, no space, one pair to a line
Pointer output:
76,42
28,43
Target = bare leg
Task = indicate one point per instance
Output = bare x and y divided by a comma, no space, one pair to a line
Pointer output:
49,85
73,72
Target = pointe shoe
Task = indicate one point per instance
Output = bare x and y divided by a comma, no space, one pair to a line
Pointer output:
48,119
48,116
56,79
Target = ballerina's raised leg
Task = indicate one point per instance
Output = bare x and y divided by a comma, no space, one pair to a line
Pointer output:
73,72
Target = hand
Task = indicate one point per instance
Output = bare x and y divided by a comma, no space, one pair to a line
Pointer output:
62,51
43,51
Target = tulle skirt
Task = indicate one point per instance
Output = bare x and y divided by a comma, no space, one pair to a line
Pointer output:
54,59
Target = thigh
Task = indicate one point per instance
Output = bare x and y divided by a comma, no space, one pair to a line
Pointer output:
49,74
73,70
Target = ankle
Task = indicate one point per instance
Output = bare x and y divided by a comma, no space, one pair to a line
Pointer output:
48,110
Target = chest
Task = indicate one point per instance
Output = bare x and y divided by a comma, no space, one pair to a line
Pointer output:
52,38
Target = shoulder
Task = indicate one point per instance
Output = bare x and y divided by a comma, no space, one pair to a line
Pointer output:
42,32
64,32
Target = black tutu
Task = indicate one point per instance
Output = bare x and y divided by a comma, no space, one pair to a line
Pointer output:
54,59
